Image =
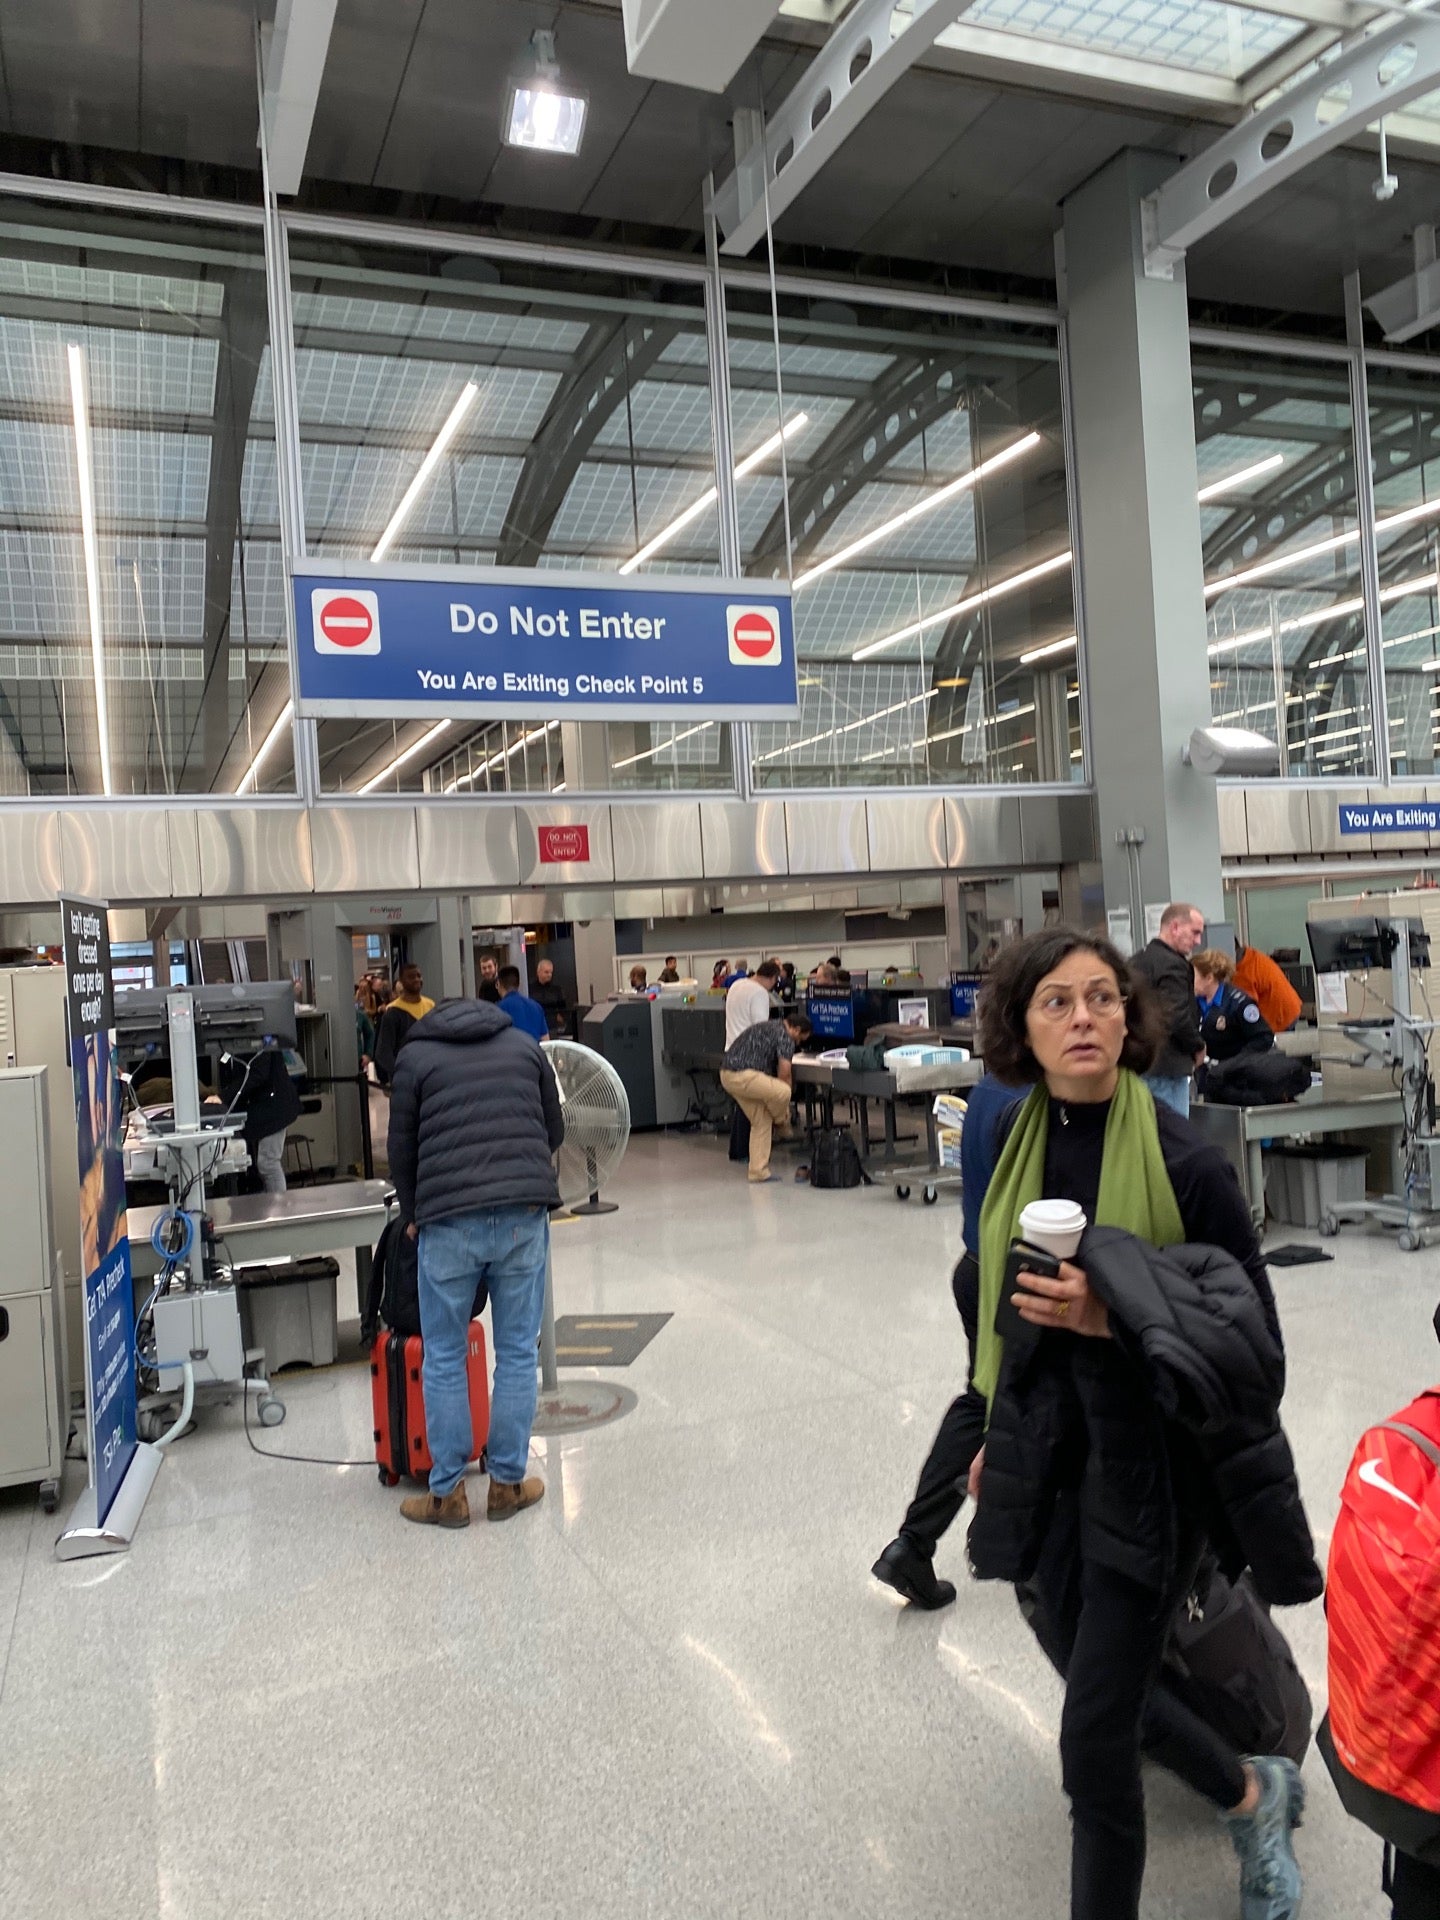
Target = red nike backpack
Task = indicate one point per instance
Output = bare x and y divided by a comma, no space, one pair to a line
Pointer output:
1381,1736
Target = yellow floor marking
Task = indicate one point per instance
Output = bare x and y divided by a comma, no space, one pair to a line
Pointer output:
606,1326
569,1353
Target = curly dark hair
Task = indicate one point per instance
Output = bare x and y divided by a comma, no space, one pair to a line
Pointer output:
1010,987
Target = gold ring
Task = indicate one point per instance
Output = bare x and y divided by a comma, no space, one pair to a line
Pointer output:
1062,1307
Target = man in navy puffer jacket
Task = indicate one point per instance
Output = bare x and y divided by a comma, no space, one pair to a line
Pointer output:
475,1119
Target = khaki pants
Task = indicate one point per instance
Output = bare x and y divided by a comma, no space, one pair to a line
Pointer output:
763,1100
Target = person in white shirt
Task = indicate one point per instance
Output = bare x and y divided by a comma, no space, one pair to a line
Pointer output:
747,1003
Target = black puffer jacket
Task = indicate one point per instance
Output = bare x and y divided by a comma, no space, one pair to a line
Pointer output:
474,1115
1180,1411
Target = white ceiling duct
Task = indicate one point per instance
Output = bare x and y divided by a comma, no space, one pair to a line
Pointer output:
693,43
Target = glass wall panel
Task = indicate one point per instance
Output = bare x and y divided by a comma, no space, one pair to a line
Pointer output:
580,436
141,590
1276,458
1405,452
929,542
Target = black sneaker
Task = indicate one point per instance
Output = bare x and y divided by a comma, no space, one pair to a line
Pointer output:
903,1567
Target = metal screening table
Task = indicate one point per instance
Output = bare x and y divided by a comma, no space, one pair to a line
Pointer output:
1241,1132
266,1226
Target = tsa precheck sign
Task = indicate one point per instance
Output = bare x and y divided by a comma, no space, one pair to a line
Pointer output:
417,642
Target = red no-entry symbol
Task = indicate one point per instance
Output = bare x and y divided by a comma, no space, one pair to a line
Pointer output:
345,622
754,636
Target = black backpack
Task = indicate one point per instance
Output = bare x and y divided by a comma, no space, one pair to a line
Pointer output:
835,1160
1256,1080
394,1296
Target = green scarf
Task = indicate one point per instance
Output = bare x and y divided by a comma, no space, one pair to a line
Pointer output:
1135,1193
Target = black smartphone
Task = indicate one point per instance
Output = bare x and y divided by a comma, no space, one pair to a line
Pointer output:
1027,1259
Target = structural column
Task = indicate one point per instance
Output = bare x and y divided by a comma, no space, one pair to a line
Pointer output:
1138,533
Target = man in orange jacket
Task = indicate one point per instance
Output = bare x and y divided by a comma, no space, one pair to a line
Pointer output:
1257,974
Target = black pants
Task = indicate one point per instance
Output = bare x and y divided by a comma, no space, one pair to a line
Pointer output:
940,1493
1414,1889
1114,1661
1171,1733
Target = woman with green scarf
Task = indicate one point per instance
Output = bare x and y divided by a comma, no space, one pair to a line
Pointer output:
1062,1012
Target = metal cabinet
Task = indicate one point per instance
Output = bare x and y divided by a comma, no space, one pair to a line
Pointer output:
34,1403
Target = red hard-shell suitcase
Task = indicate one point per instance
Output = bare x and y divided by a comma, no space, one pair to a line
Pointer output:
398,1396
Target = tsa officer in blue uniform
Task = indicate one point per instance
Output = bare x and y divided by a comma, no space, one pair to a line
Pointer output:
1230,1021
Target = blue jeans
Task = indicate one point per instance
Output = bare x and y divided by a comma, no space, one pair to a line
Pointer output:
1174,1091
508,1246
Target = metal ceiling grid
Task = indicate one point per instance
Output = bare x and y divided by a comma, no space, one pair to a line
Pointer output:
662,416
172,590
837,705
140,475
259,489
37,470
411,398
843,610
938,538
754,417
130,371
797,361
1197,36
432,318
605,502
90,285
41,584
942,449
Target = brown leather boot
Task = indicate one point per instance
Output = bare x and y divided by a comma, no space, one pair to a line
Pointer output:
439,1510
503,1501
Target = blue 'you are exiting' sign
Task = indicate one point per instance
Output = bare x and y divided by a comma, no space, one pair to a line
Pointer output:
416,642
1390,816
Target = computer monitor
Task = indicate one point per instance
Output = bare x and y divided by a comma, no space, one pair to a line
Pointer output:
1364,945
238,1017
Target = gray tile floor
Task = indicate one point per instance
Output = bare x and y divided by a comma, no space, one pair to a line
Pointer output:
673,1689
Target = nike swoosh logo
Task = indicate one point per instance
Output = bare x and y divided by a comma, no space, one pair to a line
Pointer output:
1370,1473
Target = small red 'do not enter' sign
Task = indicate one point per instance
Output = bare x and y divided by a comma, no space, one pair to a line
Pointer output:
559,845
346,622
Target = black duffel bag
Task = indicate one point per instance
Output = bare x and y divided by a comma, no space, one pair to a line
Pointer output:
1256,1080
1232,1666
835,1160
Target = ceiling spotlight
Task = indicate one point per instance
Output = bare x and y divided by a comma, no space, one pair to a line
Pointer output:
539,113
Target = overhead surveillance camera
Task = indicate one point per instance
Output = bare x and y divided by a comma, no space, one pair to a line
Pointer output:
1230,751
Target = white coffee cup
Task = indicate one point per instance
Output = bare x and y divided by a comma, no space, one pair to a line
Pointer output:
1055,1226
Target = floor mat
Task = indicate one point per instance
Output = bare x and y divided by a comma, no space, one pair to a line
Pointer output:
604,1340
1296,1256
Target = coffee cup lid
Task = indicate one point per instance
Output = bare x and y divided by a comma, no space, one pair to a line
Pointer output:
1053,1216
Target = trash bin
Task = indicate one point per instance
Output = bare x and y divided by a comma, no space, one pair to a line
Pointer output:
1303,1183
289,1311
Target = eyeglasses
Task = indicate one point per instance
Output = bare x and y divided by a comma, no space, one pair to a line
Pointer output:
1104,1003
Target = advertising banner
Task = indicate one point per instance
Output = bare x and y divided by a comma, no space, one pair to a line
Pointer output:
105,1245
420,642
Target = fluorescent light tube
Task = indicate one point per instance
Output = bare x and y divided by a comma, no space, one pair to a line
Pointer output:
967,605
1045,653
247,779
403,759
427,467
1239,478
664,747
928,504
80,410
707,499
